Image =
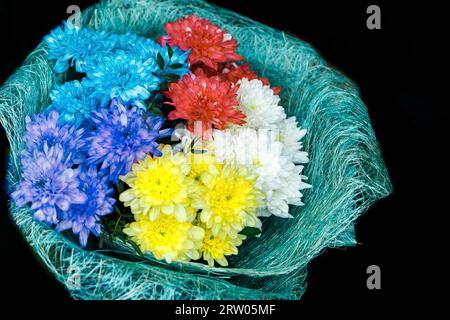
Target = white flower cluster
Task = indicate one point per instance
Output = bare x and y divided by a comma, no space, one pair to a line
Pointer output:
279,178
269,144
259,104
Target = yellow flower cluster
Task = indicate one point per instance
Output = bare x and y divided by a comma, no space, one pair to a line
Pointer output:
187,206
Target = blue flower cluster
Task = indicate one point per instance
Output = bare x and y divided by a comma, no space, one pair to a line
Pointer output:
51,163
123,136
127,66
43,130
96,126
123,76
49,185
68,172
74,101
72,46
84,218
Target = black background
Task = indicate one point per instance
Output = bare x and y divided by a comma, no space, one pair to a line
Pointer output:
398,70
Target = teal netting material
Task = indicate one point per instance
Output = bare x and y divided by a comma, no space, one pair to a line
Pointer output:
346,168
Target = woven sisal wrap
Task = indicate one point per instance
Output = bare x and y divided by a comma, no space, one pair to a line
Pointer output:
346,168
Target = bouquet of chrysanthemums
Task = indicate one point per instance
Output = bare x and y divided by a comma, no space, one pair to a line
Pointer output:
173,146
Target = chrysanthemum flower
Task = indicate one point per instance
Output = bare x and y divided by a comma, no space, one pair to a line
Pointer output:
160,186
208,102
44,130
124,76
122,137
84,218
167,238
134,44
73,102
228,199
49,185
290,135
73,46
175,59
216,248
259,104
234,72
278,177
200,163
210,45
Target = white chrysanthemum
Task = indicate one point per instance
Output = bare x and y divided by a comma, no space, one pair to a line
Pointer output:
259,104
278,177
290,136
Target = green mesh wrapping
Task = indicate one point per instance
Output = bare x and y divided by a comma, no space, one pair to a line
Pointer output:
346,168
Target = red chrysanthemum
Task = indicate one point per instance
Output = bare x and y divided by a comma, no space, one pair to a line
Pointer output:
208,43
233,72
210,102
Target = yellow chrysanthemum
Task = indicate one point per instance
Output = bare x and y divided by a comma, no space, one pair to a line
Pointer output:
160,185
228,199
167,238
200,163
215,248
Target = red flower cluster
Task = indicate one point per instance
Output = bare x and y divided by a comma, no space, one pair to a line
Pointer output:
209,44
210,102
208,96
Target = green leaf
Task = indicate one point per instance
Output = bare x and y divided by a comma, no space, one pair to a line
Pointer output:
250,232
117,210
136,247
196,151
120,237
122,234
193,142
160,61
111,224
171,77
127,216
156,111
164,86
101,241
170,51
120,187
176,66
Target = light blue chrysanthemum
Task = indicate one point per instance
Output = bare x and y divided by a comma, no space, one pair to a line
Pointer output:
124,76
73,46
74,102
134,44
175,59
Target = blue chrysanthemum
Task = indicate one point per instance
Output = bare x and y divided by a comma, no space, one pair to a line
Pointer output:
74,102
142,47
73,46
44,130
124,76
49,185
175,59
122,137
84,218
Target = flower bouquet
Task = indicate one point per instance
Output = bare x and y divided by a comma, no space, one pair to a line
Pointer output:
157,153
